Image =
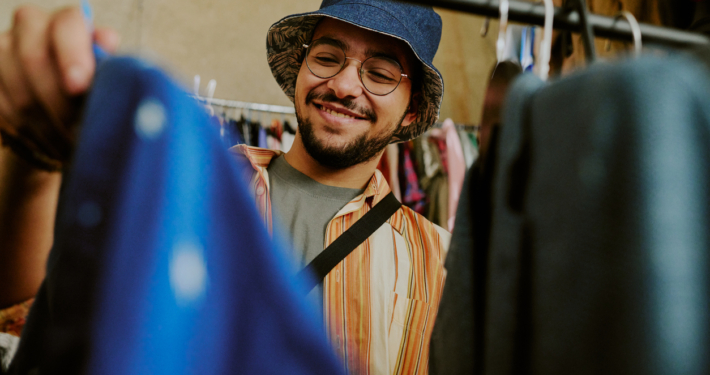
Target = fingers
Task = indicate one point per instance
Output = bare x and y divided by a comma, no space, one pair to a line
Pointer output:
46,61
32,48
108,39
12,78
8,114
71,44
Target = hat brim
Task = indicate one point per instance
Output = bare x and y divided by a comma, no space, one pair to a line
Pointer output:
285,53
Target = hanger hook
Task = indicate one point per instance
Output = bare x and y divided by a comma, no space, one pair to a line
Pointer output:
635,29
546,45
485,26
503,28
211,86
196,85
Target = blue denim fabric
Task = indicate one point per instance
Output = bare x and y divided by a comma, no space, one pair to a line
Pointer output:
418,25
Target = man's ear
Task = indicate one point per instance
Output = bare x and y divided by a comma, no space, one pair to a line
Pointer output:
413,110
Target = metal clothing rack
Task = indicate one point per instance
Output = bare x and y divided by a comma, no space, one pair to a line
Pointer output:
567,19
287,110
246,105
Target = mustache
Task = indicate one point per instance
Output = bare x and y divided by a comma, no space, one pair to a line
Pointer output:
329,97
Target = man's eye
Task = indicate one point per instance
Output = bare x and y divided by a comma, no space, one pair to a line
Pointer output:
327,60
380,76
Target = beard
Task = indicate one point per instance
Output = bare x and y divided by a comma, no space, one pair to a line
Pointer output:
359,150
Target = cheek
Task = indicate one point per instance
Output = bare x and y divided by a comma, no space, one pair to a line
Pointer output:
305,81
391,106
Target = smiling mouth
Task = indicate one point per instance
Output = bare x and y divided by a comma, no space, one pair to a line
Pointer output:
336,114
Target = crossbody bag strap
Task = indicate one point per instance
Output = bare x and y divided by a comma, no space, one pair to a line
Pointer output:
348,241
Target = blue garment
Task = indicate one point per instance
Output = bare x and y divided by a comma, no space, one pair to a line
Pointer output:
161,263
262,137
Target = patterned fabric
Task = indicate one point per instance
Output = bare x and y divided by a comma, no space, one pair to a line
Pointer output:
380,302
12,319
285,53
414,196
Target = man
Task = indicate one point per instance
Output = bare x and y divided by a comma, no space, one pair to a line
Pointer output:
360,76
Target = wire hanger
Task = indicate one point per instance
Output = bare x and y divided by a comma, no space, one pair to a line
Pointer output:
546,44
502,30
635,31
486,25
196,85
585,28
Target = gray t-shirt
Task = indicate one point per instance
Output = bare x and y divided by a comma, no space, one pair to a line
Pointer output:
303,208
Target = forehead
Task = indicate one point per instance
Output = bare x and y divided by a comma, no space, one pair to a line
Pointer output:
362,41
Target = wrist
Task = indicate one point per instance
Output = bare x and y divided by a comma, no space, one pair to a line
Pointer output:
29,152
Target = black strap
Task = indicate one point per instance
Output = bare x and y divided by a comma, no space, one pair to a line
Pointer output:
348,241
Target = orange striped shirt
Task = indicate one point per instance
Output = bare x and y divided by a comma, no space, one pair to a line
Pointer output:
380,302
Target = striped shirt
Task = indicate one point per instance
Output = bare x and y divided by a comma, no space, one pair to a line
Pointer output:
380,302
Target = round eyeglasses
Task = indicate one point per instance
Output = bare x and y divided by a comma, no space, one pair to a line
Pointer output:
379,75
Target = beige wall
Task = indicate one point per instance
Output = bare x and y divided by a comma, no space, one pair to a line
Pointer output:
465,59
225,40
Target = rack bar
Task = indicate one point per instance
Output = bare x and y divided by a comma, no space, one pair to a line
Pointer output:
604,27
246,105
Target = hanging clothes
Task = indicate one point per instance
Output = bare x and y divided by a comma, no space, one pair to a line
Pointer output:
287,141
262,142
432,178
456,169
288,136
470,149
599,228
161,263
412,194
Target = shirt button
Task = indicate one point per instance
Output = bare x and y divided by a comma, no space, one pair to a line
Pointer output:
260,190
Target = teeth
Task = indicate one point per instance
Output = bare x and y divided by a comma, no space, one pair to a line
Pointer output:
336,114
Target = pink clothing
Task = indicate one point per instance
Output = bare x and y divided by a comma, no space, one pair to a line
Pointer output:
456,168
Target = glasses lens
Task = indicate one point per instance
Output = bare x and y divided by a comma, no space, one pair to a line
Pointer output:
324,59
381,75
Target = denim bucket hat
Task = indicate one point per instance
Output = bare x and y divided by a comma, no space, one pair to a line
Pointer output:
418,26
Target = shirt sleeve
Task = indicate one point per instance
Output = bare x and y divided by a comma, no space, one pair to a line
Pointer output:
12,319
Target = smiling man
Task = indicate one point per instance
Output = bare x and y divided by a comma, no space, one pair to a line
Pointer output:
361,77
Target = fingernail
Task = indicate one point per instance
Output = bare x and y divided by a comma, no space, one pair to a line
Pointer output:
76,77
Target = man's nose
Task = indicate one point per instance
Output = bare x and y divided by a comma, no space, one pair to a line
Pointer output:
347,83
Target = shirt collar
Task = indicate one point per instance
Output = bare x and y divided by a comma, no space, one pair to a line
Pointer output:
259,158
376,190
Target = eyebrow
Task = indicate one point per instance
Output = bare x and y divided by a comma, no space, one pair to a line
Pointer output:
370,52
377,53
335,42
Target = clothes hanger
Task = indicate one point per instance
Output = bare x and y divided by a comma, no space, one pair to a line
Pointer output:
196,85
546,44
486,25
504,7
585,28
635,31
211,86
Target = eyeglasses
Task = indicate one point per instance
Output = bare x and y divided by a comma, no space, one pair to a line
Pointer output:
379,75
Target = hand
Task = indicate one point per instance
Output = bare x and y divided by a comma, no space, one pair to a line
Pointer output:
46,64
